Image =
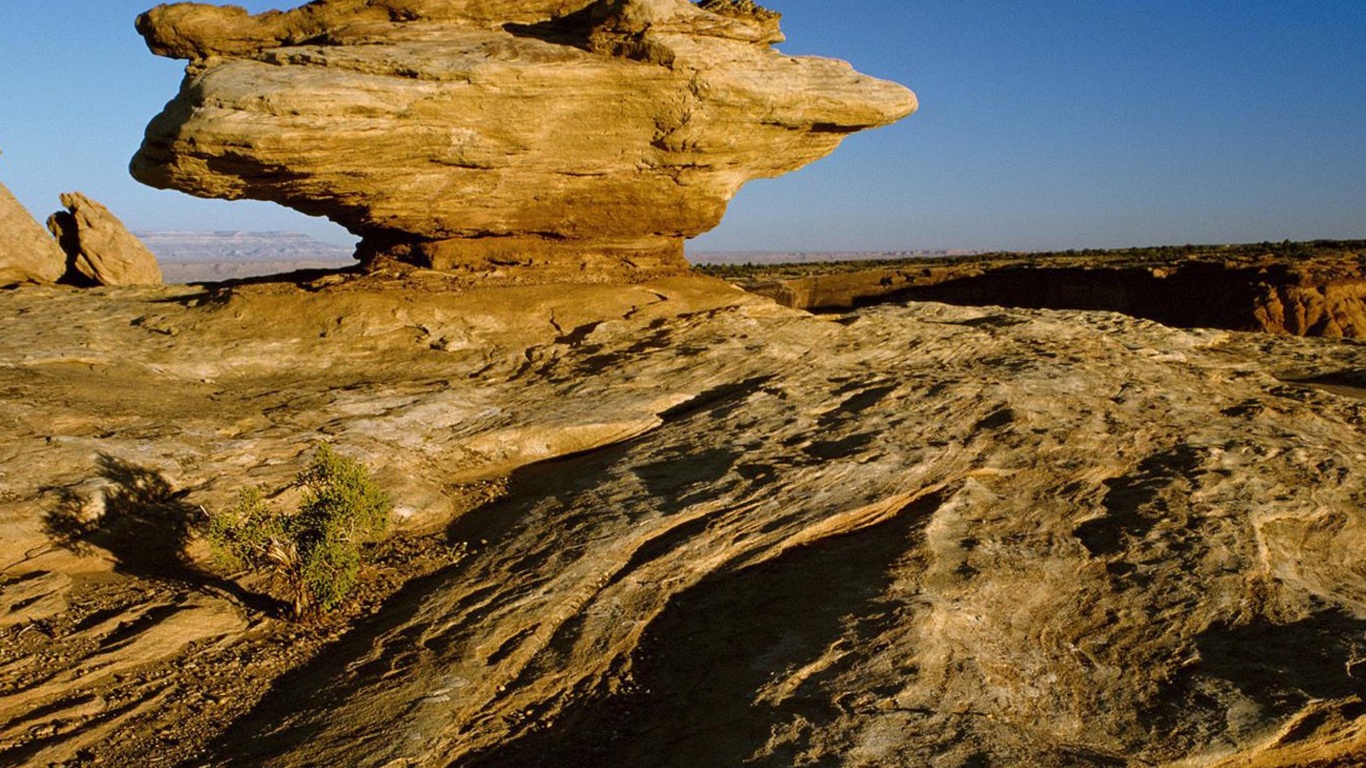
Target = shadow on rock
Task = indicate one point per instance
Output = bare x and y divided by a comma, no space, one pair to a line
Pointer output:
702,667
503,537
708,655
381,646
1283,666
1136,503
135,514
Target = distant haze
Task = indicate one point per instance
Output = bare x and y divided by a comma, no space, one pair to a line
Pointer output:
188,257
812,257
242,246
199,256
1044,125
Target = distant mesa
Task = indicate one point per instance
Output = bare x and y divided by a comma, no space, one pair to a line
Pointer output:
587,138
193,257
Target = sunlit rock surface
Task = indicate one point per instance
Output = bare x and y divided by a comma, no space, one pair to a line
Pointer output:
99,248
1235,287
912,535
586,138
27,253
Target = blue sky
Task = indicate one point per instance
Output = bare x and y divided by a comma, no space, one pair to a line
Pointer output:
1043,124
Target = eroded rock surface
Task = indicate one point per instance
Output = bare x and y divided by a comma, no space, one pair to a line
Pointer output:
912,535
100,250
1310,295
27,253
586,137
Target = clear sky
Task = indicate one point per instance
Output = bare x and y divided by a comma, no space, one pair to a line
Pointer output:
1044,124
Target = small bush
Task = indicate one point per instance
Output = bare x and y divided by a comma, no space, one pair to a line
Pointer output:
740,8
316,551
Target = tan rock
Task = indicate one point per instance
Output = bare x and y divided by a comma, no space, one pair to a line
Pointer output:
453,133
100,249
32,597
921,535
27,253
1319,295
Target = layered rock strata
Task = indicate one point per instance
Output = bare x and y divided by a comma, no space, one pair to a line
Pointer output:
99,248
590,136
1312,296
919,535
27,254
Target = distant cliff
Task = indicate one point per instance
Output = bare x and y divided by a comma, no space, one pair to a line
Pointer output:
188,257
241,246
1299,289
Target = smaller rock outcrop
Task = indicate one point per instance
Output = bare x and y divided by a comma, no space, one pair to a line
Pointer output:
27,254
100,250
1306,289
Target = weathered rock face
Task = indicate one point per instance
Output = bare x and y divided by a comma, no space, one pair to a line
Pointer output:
445,132
99,249
919,536
27,254
1313,296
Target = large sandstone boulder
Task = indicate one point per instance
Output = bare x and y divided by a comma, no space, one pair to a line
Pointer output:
27,254
100,250
586,133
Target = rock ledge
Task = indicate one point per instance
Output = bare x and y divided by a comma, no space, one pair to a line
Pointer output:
469,133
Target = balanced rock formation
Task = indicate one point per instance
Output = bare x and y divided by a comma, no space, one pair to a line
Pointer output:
27,254
100,250
584,134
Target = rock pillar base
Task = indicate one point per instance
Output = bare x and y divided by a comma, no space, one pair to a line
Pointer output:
536,259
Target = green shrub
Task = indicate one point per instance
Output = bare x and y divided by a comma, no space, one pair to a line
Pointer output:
316,551
741,8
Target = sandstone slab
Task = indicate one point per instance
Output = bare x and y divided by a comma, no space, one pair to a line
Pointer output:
731,533
458,132
100,249
27,253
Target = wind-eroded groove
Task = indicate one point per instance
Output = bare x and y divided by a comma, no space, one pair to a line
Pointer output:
713,645
655,549
514,678
717,394
142,637
71,739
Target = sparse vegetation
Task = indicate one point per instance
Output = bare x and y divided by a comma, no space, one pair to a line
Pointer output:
1286,251
741,8
314,553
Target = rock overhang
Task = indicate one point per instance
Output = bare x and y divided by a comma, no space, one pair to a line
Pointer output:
466,132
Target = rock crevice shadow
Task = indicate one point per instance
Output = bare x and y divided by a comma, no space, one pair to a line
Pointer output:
724,640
